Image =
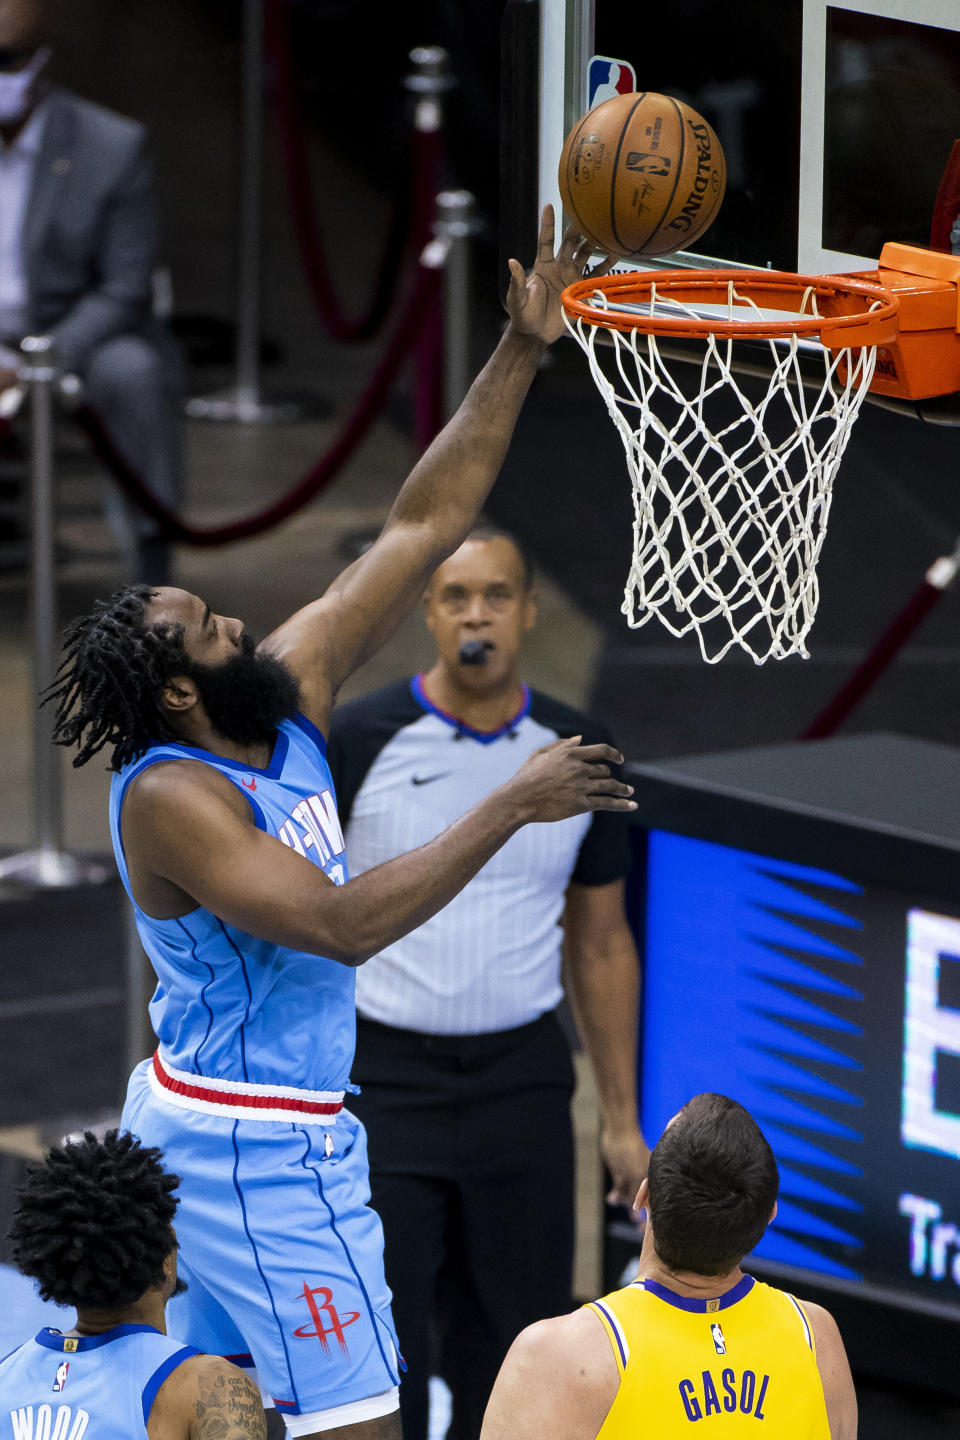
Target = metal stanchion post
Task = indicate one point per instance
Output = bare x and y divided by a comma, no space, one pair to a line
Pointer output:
245,401
429,82
47,865
450,251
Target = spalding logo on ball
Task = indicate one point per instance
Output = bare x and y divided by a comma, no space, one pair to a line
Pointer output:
642,174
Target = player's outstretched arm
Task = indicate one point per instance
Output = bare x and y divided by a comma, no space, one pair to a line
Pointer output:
191,830
207,1398
835,1374
439,503
559,1380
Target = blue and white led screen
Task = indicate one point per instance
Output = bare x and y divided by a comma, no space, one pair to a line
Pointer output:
832,1011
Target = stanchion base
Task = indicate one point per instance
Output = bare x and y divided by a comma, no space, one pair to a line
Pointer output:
53,870
241,407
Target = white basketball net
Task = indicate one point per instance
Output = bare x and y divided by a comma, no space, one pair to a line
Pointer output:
729,513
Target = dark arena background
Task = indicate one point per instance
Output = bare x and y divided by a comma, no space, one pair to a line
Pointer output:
812,885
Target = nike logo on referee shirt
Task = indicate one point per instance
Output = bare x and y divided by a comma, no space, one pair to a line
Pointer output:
426,779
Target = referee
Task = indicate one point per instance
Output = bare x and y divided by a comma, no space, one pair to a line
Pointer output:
465,1074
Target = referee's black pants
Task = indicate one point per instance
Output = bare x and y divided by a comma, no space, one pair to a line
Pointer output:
471,1168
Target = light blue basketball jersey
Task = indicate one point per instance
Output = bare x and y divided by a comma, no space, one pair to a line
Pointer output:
228,1005
59,1387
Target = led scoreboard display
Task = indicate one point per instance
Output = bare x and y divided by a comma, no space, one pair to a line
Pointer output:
777,984
798,913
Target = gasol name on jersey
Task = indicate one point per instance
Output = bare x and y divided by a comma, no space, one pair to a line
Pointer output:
708,1395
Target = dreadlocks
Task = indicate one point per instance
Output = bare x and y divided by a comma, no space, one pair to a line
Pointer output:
112,677
93,1222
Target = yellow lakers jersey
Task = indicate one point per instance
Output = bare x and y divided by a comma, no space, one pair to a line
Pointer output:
745,1357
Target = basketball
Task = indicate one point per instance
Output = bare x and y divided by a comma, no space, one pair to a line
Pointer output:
642,174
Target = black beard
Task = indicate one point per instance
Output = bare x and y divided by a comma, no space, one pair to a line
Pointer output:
247,696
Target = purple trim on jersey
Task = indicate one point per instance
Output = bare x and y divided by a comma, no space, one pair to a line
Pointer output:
53,1339
161,1373
483,737
699,1307
615,1330
803,1319
311,731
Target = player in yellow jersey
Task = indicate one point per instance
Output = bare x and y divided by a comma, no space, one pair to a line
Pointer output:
693,1346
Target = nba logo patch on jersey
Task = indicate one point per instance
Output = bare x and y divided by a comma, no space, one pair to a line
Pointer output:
60,1383
607,78
719,1344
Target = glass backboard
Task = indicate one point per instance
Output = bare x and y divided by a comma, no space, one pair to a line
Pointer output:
837,119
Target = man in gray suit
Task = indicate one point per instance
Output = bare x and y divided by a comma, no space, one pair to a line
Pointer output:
77,252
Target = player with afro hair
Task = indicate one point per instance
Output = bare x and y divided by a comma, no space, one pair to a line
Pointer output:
93,1225
94,1222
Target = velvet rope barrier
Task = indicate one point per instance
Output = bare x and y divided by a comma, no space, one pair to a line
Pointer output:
172,527
938,578
411,212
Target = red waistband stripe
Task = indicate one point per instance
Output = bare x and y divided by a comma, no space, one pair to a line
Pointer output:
241,1098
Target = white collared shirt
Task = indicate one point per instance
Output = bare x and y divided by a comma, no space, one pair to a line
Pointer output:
17,165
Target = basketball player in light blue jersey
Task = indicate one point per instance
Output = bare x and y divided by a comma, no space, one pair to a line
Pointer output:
93,1227
227,838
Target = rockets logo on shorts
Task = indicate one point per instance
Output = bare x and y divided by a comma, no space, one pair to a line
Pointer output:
327,1320
60,1383
719,1344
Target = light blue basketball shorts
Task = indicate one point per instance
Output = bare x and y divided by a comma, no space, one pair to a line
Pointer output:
281,1252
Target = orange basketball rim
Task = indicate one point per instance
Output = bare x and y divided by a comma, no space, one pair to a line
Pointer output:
908,308
842,311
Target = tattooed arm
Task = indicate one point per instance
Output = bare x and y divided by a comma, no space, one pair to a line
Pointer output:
207,1398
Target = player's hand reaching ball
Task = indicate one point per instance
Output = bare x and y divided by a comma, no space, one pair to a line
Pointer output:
533,301
567,778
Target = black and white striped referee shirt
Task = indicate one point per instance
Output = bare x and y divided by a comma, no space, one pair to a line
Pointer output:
490,960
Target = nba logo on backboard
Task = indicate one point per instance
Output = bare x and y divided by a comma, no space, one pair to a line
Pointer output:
61,1381
719,1344
606,78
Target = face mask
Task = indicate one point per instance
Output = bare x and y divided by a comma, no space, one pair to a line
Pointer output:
16,88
